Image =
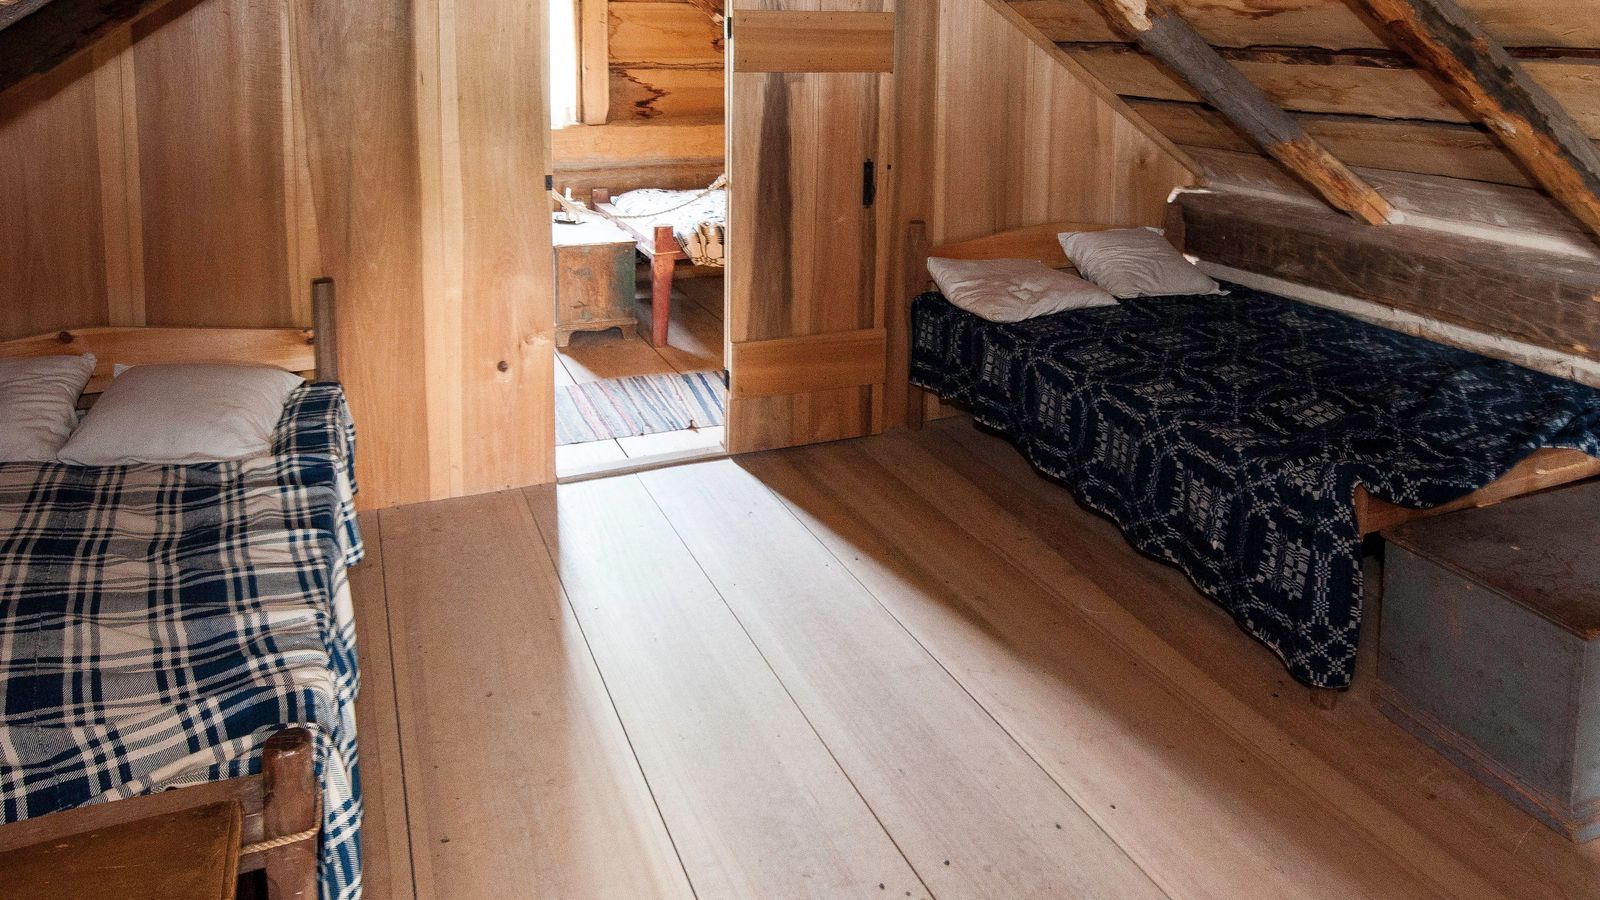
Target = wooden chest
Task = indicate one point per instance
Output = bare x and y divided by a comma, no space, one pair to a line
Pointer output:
1489,648
594,278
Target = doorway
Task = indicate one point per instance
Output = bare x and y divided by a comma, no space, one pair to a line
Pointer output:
638,145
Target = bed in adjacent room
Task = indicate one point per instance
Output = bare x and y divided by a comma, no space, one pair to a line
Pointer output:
161,622
670,226
1233,435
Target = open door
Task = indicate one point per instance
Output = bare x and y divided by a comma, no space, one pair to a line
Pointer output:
806,344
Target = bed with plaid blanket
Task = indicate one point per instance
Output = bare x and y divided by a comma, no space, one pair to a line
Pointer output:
1227,435
159,623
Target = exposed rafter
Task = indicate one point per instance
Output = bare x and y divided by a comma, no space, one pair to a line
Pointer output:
1484,77
38,35
1173,41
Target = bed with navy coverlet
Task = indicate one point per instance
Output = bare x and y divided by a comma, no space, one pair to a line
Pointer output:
159,623
1227,435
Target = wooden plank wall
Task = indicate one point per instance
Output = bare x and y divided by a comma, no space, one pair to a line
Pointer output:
995,130
111,191
664,122
1023,140
201,166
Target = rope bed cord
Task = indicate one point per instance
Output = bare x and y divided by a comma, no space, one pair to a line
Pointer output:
286,840
575,207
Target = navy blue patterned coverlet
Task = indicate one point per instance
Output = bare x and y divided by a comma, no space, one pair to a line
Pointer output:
1227,435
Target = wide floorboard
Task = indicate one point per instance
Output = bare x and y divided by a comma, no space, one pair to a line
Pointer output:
899,666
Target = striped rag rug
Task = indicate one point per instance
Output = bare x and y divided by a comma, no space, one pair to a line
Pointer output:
638,404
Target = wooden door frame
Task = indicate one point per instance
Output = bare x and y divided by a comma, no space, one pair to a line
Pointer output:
853,358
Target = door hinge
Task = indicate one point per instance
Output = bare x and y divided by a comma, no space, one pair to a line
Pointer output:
727,25
869,183
549,182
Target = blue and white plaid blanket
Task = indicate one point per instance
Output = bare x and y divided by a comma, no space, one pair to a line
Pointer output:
159,623
1227,435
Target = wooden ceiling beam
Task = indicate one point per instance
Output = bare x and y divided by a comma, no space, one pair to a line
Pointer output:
1171,39
39,35
1482,76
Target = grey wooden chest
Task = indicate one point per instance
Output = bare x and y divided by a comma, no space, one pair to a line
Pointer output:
1489,648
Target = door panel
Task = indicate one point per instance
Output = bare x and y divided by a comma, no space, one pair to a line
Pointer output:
812,41
805,333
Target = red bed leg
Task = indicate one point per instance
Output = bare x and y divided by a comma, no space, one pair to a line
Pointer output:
660,297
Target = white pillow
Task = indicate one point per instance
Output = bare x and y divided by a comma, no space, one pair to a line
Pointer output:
1134,262
183,414
39,404
1011,290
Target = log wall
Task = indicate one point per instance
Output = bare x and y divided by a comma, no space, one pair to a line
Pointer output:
664,92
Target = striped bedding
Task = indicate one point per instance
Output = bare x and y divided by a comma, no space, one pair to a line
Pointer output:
159,623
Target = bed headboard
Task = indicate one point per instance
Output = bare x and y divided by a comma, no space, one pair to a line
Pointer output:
1032,242
312,352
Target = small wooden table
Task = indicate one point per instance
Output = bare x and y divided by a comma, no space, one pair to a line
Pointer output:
595,277
188,854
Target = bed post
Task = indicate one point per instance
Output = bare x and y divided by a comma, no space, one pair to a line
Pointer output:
916,268
662,263
289,807
325,332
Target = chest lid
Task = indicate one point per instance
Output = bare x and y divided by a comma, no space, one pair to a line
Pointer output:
1541,552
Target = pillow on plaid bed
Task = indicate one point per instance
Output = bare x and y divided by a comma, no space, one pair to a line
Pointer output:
39,404
183,414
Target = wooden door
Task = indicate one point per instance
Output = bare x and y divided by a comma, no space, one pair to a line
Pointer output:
806,344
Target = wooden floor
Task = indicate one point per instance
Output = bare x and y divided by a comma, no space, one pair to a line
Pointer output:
694,344
903,666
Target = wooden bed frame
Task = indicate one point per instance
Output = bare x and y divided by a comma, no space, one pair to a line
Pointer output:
284,799
660,246
280,802
312,352
1543,470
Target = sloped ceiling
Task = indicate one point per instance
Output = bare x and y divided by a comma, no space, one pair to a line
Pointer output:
1335,71
37,35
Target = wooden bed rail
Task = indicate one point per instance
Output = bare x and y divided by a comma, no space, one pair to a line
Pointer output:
1543,470
279,813
312,351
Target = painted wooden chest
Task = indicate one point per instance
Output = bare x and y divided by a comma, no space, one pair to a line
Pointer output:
1489,648
595,278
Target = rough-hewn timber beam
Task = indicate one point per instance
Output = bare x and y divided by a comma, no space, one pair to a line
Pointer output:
1171,39
1443,38
53,30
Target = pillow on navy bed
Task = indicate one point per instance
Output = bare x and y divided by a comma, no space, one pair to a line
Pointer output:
1013,290
183,414
39,404
1134,262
